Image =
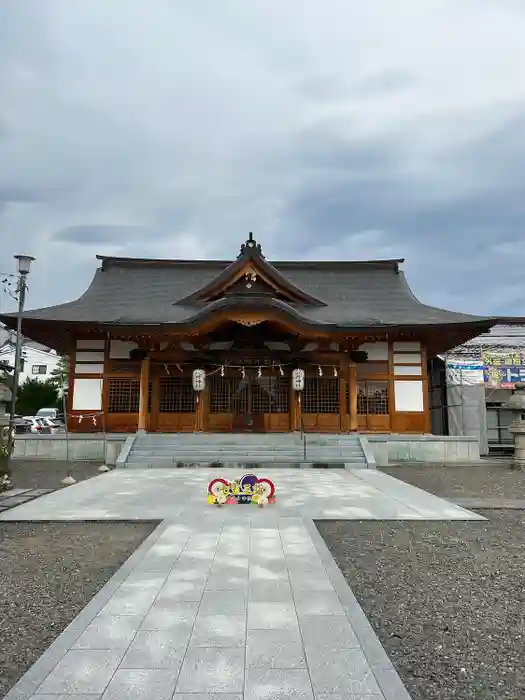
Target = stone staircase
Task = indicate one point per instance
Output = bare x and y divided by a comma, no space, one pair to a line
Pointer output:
242,449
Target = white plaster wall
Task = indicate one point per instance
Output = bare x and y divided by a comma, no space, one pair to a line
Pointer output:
81,368
406,346
408,395
412,358
87,394
89,356
407,371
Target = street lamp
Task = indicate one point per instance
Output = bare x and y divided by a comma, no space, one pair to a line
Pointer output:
24,264
24,268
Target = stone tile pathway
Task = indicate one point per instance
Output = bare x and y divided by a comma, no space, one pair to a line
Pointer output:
233,603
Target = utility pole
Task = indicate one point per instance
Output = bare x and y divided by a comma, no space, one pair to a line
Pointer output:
24,267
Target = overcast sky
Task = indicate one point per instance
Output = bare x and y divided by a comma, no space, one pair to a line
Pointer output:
330,128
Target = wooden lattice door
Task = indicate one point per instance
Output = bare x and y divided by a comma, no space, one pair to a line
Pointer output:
246,415
253,403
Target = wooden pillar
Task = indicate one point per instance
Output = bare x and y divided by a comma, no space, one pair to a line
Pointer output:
343,383
70,385
352,387
295,409
155,400
426,396
199,411
143,399
205,400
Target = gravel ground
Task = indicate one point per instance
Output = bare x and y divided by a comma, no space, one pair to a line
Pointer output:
47,474
484,481
446,599
48,573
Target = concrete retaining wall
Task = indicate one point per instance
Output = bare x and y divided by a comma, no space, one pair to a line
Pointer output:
77,448
388,449
385,449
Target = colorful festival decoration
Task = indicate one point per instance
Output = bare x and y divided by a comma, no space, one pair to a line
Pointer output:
247,489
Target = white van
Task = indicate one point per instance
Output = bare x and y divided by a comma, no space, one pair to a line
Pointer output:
47,413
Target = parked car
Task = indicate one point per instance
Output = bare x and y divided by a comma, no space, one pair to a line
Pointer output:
22,426
52,424
37,426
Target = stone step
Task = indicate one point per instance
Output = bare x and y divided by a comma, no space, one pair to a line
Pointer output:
229,437
162,449
268,443
244,448
245,437
212,453
171,449
243,456
245,465
243,445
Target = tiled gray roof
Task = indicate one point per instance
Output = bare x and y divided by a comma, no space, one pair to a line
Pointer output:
356,294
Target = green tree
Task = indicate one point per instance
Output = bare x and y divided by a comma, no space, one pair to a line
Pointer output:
34,395
60,375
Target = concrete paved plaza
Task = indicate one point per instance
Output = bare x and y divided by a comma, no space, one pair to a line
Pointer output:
316,494
232,603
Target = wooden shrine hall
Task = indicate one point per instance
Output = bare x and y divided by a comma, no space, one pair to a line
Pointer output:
248,345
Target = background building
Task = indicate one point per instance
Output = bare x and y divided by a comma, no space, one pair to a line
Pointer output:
38,361
470,383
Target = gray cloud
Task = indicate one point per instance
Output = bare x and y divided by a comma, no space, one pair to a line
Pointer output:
16,194
384,83
89,234
135,129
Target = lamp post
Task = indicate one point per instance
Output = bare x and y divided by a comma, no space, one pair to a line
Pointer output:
24,268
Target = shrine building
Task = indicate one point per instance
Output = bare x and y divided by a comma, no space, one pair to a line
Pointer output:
360,337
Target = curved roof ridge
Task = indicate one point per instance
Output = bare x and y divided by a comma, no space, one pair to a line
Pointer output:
229,274
109,260
66,304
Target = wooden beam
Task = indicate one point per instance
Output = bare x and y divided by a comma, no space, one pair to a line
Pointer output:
143,400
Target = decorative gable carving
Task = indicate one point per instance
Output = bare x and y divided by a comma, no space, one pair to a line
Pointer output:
251,275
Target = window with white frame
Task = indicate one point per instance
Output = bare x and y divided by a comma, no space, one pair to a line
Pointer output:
39,369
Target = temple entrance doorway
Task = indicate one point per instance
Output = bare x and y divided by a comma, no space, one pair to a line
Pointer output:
254,401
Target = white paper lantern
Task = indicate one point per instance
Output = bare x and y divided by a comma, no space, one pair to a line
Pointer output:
199,379
298,379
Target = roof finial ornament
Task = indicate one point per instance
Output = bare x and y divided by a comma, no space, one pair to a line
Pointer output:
251,247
